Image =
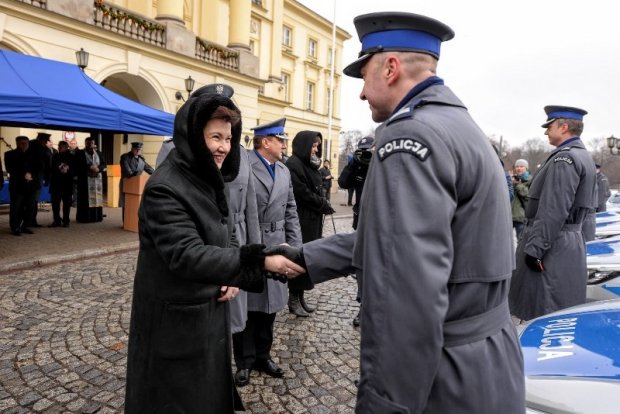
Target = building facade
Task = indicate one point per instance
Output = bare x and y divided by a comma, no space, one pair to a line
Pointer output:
276,54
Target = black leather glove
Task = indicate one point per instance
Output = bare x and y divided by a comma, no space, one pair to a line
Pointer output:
326,208
277,276
293,254
534,263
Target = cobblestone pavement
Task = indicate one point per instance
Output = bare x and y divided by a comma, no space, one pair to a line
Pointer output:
63,342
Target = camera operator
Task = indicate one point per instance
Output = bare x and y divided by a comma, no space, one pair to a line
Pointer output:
354,173
521,183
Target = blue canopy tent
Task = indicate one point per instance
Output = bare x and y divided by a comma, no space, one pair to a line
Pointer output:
43,93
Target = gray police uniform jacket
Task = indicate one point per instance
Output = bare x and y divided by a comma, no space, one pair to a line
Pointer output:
434,245
277,216
562,193
242,204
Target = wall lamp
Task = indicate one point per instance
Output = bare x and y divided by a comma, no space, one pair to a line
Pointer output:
613,143
82,58
189,87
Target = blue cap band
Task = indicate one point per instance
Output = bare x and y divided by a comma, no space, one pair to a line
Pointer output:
269,131
401,39
569,115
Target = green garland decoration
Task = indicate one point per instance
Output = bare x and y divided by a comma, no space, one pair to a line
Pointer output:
122,16
208,47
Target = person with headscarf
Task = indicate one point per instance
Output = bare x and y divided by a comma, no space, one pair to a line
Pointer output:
189,267
307,182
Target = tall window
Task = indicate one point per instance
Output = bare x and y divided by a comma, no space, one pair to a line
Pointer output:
312,46
329,56
286,84
287,36
309,96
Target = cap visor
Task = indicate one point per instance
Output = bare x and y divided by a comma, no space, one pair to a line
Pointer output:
280,136
354,69
549,122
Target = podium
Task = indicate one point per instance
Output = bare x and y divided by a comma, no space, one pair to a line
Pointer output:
133,188
114,180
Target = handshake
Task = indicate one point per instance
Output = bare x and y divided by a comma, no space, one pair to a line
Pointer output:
284,272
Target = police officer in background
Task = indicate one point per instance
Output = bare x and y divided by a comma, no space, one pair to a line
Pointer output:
602,190
433,243
279,223
551,257
133,164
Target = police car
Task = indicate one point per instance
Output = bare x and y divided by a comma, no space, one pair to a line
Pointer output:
572,360
613,203
607,224
603,263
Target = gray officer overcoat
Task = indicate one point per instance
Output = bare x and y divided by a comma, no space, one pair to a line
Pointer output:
561,194
434,246
277,215
242,203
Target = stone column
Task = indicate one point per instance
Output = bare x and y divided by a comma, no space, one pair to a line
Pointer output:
239,26
178,38
239,36
170,10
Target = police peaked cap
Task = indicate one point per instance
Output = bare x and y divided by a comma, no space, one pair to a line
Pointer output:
275,128
215,89
562,112
137,145
397,32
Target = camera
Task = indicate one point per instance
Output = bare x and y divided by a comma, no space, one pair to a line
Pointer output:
362,156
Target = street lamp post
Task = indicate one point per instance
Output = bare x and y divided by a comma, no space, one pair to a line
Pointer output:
189,87
613,143
82,58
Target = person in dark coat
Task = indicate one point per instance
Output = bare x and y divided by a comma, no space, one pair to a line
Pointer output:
551,271
89,167
22,185
304,164
353,175
40,153
61,184
326,175
433,241
189,267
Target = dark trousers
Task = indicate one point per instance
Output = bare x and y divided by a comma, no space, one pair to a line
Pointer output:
20,209
350,192
66,198
254,342
31,220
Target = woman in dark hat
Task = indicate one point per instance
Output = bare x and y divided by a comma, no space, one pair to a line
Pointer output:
179,338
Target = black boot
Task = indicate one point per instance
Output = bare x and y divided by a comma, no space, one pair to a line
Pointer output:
294,304
304,305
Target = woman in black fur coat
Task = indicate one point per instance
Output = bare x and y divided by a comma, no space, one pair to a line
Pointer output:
188,267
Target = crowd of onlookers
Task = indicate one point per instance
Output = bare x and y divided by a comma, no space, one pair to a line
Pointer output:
73,177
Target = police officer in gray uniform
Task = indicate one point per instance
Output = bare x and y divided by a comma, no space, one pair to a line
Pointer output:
434,240
279,223
551,259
